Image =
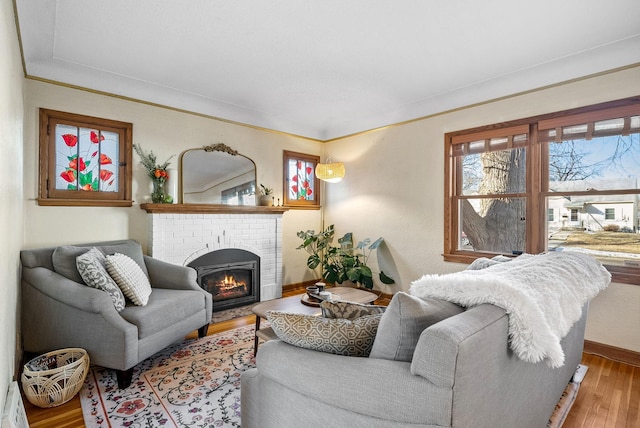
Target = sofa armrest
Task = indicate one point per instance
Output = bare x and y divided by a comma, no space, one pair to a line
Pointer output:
64,290
170,276
379,388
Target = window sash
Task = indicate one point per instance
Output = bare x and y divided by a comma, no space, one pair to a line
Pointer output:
619,117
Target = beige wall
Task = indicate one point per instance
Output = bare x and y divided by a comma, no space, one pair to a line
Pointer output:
11,205
395,180
393,187
167,133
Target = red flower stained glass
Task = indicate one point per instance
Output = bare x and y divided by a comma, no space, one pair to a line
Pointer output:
69,176
70,140
94,137
105,174
84,152
105,160
301,180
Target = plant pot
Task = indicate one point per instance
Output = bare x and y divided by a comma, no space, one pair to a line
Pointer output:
265,200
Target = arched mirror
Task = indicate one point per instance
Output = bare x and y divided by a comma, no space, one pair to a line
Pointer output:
217,174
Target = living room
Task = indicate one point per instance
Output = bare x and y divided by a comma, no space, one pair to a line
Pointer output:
393,186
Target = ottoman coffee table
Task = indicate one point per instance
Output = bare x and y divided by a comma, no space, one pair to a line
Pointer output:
299,304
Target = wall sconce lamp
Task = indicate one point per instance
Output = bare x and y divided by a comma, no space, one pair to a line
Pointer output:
331,172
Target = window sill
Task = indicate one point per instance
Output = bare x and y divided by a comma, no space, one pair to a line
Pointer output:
84,202
620,274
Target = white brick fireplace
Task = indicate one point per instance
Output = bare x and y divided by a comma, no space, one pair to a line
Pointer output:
180,237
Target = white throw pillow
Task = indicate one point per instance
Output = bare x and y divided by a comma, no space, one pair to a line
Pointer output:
129,277
91,266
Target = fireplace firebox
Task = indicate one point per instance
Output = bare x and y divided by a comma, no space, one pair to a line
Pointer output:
231,275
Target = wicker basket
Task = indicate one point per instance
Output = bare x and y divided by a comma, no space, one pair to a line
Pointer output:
56,377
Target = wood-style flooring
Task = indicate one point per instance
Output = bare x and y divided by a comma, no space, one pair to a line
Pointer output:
608,398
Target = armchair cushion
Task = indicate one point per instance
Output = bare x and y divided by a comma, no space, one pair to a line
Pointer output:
403,322
91,266
164,309
333,335
64,261
129,277
64,257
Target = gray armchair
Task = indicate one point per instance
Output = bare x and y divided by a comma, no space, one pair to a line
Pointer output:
58,312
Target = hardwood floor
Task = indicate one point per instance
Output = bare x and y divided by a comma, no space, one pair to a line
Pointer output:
608,398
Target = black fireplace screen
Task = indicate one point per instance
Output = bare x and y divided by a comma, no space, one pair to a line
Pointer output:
228,283
232,276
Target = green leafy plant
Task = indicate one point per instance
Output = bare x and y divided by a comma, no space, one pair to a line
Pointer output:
266,191
344,262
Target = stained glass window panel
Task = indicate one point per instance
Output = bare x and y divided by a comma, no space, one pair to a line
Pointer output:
86,159
301,180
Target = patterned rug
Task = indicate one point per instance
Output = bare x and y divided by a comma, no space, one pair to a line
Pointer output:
229,314
192,384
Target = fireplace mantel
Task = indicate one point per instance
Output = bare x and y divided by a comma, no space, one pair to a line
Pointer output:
210,209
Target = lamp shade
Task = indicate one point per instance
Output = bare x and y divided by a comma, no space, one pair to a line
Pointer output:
331,172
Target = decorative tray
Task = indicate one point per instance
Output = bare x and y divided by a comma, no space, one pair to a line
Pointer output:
305,299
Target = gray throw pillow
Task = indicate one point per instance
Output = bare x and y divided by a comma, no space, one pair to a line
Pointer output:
333,335
64,261
348,310
91,266
403,322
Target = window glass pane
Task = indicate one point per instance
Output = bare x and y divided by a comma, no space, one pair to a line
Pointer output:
66,157
603,163
301,180
494,173
86,159
591,224
495,225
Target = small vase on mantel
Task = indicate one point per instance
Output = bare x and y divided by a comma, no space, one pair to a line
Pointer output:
158,195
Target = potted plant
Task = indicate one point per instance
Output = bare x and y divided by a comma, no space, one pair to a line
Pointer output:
266,198
343,263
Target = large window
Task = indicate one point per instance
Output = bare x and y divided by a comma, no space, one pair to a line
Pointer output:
84,160
506,181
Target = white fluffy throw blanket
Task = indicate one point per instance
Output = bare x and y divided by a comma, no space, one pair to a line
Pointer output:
542,294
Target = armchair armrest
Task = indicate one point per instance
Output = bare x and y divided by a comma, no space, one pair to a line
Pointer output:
170,276
64,290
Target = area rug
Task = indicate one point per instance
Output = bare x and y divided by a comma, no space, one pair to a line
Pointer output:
568,398
229,314
192,384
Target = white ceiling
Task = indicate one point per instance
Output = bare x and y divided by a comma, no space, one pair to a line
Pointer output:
324,68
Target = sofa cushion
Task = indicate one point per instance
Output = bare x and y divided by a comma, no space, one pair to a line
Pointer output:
64,261
403,322
164,309
129,277
333,335
91,267
348,310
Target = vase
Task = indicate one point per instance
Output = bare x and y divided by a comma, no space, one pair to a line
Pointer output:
158,196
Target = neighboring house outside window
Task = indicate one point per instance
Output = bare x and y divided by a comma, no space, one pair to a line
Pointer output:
507,181
609,213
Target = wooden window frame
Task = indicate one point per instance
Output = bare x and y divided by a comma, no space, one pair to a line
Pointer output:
48,196
537,178
296,203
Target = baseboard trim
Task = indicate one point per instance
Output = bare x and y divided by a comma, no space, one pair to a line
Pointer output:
612,352
299,285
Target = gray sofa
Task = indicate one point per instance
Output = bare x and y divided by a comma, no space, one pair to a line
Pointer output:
462,374
58,312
